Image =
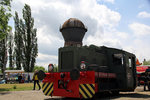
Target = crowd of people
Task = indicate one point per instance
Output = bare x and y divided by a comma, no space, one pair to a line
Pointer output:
24,79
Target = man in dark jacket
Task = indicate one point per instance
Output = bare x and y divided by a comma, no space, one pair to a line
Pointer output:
36,80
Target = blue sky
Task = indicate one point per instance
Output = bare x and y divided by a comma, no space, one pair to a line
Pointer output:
129,10
123,24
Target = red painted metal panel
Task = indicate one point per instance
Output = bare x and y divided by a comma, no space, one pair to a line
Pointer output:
141,69
72,89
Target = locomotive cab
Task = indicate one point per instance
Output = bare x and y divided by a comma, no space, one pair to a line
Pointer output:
71,58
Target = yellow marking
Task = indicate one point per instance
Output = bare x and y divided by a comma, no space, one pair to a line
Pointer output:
50,91
44,86
86,90
48,88
93,91
82,93
93,85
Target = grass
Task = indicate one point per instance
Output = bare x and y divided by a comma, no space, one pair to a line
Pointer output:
16,87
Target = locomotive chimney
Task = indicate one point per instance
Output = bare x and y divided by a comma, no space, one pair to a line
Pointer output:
73,31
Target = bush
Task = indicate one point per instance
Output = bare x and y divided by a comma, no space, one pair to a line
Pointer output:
14,87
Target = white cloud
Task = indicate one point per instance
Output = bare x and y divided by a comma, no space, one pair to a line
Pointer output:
109,38
100,20
122,35
139,43
140,29
45,59
142,48
48,16
110,1
144,14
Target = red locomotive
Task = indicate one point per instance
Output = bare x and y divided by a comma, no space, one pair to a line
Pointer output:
141,73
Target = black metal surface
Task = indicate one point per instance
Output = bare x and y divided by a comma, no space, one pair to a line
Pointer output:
74,74
41,75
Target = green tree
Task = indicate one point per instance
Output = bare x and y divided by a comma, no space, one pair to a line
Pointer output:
4,18
10,50
39,68
4,30
30,50
3,55
18,39
146,62
55,68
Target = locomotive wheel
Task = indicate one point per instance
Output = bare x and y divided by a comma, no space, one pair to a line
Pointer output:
41,75
74,74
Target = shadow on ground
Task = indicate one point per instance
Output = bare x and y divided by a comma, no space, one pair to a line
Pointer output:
134,95
109,97
4,93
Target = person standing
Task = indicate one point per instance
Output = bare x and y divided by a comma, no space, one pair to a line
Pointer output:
36,80
28,78
19,78
147,79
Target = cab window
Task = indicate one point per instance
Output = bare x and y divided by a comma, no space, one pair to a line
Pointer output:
118,59
130,62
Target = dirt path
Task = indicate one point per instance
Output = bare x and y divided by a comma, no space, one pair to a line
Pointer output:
139,94
22,95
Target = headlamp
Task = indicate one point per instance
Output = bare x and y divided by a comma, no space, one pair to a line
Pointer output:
82,66
50,67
